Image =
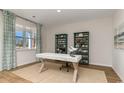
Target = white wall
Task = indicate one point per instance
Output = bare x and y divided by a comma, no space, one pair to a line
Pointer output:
118,54
1,40
25,57
101,39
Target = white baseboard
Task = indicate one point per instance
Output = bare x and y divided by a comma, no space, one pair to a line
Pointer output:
101,64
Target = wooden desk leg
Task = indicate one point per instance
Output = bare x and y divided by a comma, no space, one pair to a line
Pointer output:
43,67
75,71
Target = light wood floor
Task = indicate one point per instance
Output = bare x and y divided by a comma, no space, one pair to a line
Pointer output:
8,77
111,76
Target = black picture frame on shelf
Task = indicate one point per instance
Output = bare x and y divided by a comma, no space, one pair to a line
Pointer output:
81,39
61,43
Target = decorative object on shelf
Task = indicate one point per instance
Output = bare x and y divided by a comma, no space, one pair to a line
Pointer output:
81,41
61,43
119,37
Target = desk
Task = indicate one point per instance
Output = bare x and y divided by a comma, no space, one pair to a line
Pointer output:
62,57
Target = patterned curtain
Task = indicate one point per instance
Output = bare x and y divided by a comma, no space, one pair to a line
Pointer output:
9,51
38,38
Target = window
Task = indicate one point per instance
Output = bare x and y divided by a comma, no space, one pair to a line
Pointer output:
30,40
25,34
19,39
25,37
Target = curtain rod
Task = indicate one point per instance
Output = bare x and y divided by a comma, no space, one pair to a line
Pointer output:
21,17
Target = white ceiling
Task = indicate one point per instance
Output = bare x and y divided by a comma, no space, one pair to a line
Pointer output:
52,17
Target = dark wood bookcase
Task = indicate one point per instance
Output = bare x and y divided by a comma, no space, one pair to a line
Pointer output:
81,39
61,43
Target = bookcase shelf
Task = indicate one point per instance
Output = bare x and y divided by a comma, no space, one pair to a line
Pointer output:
61,43
81,39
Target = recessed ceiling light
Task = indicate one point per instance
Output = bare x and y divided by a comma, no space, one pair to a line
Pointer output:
58,11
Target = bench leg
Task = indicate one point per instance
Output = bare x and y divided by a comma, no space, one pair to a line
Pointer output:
75,72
